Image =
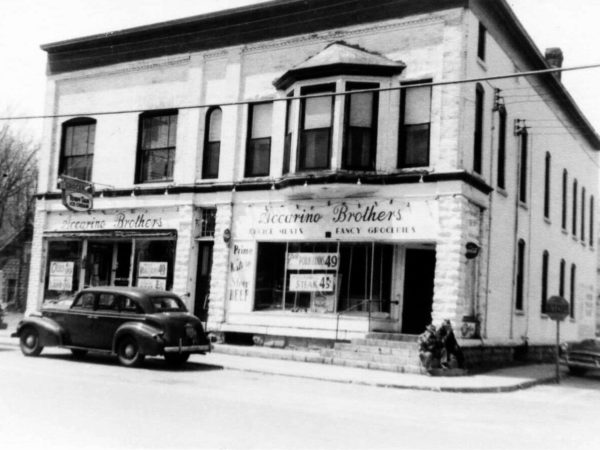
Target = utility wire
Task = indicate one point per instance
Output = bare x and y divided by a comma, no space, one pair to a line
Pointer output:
328,94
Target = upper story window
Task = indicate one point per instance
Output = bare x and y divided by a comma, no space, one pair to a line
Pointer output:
582,214
520,288
547,186
591,234
289,127
501,148
481,38
523,167
564,199
545,263
156,152
360,137
561,279
212,144
415,125
478,132
258,148
572,290
574,218
316,119
77,148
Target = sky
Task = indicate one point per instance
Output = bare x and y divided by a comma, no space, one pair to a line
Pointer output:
27,24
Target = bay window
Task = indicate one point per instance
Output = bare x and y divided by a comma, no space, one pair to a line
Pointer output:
415,124
316,120
360,136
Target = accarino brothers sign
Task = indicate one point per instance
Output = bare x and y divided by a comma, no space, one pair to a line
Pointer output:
77,195
355,220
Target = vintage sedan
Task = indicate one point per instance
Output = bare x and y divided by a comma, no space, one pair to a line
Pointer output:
130,322
581,356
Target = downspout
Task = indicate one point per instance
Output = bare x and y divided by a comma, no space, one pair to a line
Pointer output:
515,241
529,215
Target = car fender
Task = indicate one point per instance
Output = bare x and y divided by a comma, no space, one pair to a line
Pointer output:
148,337
51,333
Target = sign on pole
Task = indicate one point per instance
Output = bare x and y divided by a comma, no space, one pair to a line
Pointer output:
77,195
557,308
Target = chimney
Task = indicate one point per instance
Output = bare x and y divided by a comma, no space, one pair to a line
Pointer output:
554,58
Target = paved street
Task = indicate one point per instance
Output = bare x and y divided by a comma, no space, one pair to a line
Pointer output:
56,402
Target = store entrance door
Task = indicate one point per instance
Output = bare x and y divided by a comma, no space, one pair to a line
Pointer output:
419,274
99,263
205,253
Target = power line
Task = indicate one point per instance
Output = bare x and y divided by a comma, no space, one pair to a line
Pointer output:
329,94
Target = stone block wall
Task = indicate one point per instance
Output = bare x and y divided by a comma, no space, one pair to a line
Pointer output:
219,276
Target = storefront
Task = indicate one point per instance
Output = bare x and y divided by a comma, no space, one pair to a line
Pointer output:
321,267
109,248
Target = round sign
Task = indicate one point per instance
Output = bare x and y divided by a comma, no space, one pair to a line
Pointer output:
557,308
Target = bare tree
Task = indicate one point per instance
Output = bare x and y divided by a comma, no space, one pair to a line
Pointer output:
18,177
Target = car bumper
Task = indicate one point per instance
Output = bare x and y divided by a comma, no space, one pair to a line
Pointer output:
582,364
188,349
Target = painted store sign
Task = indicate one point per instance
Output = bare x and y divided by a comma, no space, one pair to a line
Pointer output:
114,220
355,220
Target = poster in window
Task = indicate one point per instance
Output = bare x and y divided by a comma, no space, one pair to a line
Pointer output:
148,269
313,261
152,283
312,282
61,276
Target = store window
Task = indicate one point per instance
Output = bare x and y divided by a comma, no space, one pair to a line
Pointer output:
360,137
212,144
154,261
258,148
324,277
316,120
62,269
156,152
77,148
415,124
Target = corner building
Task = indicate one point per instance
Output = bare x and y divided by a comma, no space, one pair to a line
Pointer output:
315,169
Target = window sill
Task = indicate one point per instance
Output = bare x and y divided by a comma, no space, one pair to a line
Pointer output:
547,221
502,192
519,313
544,316
523,205
157,183
564,231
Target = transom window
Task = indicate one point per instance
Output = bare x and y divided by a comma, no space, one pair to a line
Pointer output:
316,120
77,152
156,155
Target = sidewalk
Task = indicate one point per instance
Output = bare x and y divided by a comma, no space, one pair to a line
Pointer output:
305,364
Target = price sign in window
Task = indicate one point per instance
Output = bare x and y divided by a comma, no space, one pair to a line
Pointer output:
315,282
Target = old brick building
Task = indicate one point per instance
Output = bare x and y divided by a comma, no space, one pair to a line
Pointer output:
323,169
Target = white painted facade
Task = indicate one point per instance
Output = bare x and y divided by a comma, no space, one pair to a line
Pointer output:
448,212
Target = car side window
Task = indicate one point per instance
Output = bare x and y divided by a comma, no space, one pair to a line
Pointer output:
128,305
85,301
107,302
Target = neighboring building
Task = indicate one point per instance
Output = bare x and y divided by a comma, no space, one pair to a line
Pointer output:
15,255
331,215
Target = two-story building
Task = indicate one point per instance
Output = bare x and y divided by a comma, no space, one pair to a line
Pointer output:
322,169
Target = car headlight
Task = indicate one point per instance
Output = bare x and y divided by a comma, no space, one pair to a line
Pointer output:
564,348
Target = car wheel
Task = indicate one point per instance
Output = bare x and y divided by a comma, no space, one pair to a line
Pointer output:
577,371
176,359
30,342
78,353
129,352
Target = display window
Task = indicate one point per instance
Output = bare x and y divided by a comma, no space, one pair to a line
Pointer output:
324,277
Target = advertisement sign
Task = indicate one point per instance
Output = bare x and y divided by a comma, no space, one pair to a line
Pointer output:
152,283
415,220
148,269
61,276
313,261
313,282
77,195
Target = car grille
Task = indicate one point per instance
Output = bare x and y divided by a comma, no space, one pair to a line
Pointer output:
584,358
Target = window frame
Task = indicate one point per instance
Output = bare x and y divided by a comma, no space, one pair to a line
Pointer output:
547,184
572,291
141,152
565,193
591,231
403,127
313,89
208,150
356,86
561,284
501,168
583,223
250,140
481,42
545,266
478,129
574,218
523,169
72,123
288,134
520,281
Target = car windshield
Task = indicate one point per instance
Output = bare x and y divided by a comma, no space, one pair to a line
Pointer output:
165,304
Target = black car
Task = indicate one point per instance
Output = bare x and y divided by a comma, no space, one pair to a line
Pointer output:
129,322
581,356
